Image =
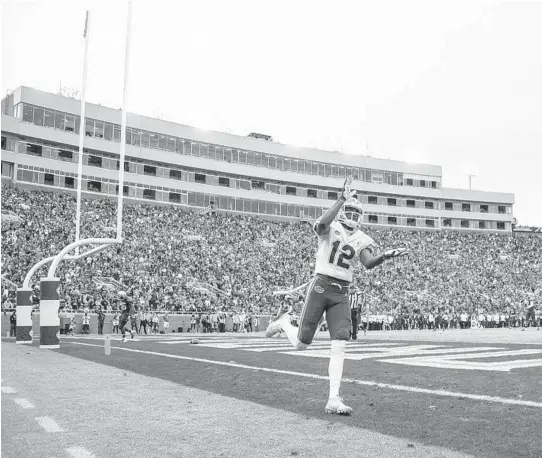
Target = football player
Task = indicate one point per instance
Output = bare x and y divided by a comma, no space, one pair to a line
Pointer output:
530,310
127,307
341,245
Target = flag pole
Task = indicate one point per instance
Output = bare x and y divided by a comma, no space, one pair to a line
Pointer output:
82,130
123,121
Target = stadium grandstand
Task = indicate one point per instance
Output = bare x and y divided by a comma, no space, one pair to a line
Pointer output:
177,175
175,164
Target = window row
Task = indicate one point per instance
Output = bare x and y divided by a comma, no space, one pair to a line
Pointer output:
172,196
401,221
98,159
473,224
153,140
481,208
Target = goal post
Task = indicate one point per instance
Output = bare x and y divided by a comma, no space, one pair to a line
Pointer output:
50,285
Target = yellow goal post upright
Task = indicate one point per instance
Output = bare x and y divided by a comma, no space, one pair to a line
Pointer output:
50,285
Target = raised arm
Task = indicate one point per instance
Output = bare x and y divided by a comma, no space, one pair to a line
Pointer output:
322,225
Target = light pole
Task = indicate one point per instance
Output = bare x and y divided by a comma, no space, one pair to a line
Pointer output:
470,180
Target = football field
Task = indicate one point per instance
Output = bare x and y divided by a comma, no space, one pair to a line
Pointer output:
414,393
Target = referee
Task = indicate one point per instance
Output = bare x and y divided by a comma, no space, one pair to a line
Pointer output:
355,308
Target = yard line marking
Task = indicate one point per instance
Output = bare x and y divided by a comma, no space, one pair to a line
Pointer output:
49,425
80,452
8,390
358,354
494,354
520,363
456,361
24,403
412,389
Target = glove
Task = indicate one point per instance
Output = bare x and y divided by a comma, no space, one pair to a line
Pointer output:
347,192
395,253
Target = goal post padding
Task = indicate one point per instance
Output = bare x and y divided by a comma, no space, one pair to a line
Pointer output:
23,329
49,306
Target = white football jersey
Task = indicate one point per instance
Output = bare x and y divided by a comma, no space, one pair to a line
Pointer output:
338,251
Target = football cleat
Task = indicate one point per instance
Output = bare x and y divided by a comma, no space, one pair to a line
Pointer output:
337,406
286,318
274,328
124,340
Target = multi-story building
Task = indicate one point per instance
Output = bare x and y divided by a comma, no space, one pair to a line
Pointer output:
176,164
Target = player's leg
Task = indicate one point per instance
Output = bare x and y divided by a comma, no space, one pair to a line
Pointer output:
313,310
532,318
126,326
339,321
316,298
122,323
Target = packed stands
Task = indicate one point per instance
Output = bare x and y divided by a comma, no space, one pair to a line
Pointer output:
184,261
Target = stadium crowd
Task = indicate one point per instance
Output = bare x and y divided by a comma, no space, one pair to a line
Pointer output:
176,260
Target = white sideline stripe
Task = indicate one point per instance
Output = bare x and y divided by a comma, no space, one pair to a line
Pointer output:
80,452
49,425
412,389
24,403
8,390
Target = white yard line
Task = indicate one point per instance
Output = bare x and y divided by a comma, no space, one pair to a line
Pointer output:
411,389
24,403
80,452
49,425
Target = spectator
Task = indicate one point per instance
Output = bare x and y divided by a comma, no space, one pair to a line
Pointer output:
137,322
116,323
86,324
13,324
234,262
165,319
73,324
143,320
463,321
155,321
101,320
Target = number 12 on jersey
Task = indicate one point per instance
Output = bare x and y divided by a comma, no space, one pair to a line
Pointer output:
347,253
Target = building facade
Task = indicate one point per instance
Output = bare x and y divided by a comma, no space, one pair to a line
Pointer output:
180,165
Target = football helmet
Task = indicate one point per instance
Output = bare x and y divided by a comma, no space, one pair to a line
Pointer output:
351,215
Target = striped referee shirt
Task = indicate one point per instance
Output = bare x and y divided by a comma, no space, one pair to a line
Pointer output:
355,300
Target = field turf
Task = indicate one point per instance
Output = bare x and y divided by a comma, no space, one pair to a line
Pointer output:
414,393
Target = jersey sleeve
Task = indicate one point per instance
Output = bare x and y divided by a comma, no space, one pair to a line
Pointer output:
315,225
367,242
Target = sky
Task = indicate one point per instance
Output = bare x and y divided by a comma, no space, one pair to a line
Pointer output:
451,83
